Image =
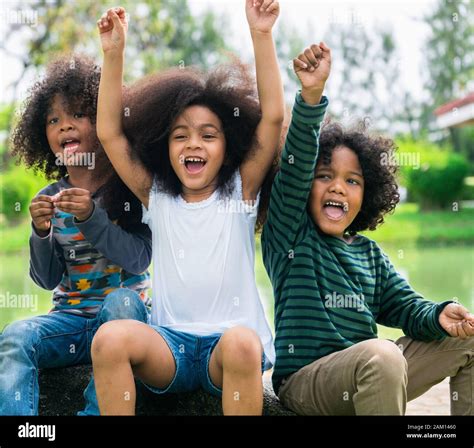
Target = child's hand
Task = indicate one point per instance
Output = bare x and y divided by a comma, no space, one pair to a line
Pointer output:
76,201
457,321
113,27
262,14
312,68
42,211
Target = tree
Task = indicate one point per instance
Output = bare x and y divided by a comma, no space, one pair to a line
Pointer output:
449,55
162,33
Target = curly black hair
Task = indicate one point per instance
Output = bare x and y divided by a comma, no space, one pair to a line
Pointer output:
76,79
376,158
153,103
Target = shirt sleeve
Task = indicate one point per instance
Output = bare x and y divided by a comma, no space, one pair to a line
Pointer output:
293,182
129,250
402,307
47,265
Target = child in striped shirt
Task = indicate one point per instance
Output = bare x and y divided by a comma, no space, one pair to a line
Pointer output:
332,285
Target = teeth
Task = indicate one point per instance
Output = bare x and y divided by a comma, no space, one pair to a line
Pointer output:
335,204
193,159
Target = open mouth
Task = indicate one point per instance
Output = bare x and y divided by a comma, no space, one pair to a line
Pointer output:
194,165
335,210
70,145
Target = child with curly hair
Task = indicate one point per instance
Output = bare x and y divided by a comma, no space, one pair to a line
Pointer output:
87,242
201,150
332,285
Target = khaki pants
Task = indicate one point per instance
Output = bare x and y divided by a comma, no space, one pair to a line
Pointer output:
378,377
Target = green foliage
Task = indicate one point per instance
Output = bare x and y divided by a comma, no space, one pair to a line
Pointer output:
18,187
6,111
409,226
451,39
435,176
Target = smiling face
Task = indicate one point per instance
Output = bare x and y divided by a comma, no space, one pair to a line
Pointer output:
68,132
337,192
196,150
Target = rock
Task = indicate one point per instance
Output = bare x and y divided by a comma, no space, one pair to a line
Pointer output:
61,393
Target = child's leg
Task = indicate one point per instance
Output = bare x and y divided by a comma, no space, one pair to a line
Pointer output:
368,378
431,362
124,349
122,303
235,366
54,340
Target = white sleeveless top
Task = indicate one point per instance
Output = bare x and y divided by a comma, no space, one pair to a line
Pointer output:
203,264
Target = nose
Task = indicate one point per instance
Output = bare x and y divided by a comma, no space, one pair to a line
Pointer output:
66,125
337,186
194,142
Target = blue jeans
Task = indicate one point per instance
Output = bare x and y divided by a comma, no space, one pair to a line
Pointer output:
55,340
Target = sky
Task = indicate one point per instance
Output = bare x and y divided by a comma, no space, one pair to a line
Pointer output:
404,17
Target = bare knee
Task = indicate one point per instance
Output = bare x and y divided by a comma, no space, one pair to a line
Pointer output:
241,349
111,340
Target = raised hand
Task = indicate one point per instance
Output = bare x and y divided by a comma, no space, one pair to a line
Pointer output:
261,14
312,67
113,28
42,211
457,321
76,201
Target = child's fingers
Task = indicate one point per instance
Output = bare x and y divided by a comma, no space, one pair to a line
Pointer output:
317,52
103,22
324,47
41,205
75,191
468,328
67,206
274,8
112,15
264,6
312,61
302,57
43,198
326,51
119,10
298,65
43,218
461,332
42,212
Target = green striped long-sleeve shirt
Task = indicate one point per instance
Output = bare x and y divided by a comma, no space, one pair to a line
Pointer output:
329,294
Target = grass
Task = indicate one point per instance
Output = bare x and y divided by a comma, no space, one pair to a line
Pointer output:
410,225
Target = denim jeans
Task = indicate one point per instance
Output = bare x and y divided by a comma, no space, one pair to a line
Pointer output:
55,340
192,354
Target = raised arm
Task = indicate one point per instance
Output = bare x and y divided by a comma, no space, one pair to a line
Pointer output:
261,16
113,29
293,182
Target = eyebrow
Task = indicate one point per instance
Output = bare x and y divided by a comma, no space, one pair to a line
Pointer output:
202,126
327,168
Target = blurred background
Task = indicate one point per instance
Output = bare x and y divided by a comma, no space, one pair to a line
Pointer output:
405,68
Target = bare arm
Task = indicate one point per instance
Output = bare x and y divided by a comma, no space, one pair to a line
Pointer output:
113,28
270,92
